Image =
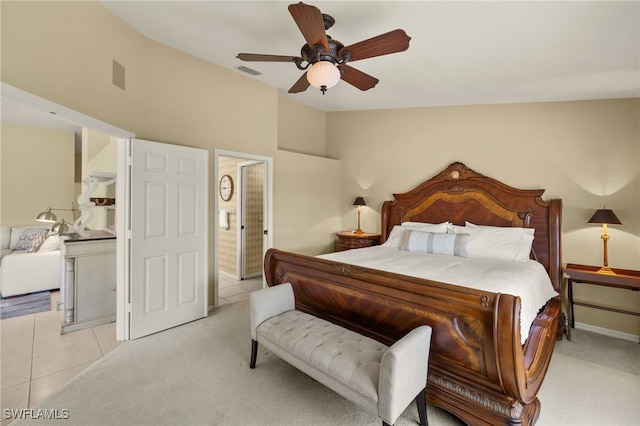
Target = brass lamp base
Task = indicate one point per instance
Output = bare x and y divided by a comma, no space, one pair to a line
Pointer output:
606,271
358,231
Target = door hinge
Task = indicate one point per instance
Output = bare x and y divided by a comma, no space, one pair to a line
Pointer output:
265,232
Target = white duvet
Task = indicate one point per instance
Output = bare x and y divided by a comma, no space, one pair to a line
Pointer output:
525,279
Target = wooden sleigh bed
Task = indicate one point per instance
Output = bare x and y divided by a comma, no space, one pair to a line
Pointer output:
479,370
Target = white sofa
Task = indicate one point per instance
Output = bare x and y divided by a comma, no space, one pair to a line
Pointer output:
30,260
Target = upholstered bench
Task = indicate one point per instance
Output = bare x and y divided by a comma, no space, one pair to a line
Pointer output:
383,380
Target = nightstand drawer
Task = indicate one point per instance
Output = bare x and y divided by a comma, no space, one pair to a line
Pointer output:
348,240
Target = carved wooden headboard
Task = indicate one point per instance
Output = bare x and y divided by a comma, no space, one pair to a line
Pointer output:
459,194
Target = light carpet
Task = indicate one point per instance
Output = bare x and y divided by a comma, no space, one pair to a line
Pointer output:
198,374
24,305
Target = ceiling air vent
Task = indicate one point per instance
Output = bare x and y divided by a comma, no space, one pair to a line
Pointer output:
249,70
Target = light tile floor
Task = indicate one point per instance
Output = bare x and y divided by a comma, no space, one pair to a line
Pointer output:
234,290
36,360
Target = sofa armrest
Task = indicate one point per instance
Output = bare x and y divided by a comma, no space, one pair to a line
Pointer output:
403,373
269,302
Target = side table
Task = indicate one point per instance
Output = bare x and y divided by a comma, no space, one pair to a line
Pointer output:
349,240
621,278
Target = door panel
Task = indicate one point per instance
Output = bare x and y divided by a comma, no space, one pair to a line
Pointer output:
253,219
169,236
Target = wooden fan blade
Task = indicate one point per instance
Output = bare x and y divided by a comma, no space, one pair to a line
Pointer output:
310,22
266,58
357,78
301,85
384,44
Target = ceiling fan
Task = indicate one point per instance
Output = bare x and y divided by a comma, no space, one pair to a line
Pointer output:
327,57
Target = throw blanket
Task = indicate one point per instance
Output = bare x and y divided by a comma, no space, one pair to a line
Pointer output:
525,279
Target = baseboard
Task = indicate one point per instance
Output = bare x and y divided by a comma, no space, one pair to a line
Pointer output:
229,275
608,332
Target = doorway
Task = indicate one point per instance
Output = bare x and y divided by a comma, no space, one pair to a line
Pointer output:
243,192
125,250
40,112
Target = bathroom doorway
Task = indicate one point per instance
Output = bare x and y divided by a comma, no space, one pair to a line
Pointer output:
242,193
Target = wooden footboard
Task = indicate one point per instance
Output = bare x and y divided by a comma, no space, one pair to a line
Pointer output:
478,370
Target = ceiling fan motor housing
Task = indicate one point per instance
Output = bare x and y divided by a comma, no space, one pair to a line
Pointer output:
313,54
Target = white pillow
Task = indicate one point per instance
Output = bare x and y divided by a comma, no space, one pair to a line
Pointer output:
435,243
397,232
438,228
50,244
470,225
395,237
510,243
456,229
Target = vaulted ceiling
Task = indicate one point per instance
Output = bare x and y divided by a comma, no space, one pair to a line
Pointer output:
460,53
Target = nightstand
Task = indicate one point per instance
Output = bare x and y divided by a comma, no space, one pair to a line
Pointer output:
348,240
621,278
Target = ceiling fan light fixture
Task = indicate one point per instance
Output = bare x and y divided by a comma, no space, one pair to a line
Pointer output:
323,75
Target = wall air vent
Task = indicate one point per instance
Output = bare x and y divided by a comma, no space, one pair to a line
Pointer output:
249,70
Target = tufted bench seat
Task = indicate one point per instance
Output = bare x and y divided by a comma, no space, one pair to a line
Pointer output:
381,379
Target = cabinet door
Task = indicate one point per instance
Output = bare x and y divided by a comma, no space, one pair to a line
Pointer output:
96,286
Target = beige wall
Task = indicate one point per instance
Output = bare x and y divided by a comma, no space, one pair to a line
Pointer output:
36,172
301,128
307,194
63,51
587,153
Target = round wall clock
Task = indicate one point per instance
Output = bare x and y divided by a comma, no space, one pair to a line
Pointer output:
226,187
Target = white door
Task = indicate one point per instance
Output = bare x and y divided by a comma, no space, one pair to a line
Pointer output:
169,236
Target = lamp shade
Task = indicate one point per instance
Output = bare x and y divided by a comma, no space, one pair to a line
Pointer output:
47,216
605,216
323,75
359,201
60,227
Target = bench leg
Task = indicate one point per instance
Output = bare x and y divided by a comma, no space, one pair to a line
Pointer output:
254,353
422,407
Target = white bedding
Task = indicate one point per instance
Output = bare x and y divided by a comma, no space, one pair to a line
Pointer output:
526,279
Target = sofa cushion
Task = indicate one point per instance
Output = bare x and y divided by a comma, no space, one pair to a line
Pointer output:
31,239
344,355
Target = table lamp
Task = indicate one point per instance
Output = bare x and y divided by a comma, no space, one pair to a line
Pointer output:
359,201
57,226
48,216
605,216
61,227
